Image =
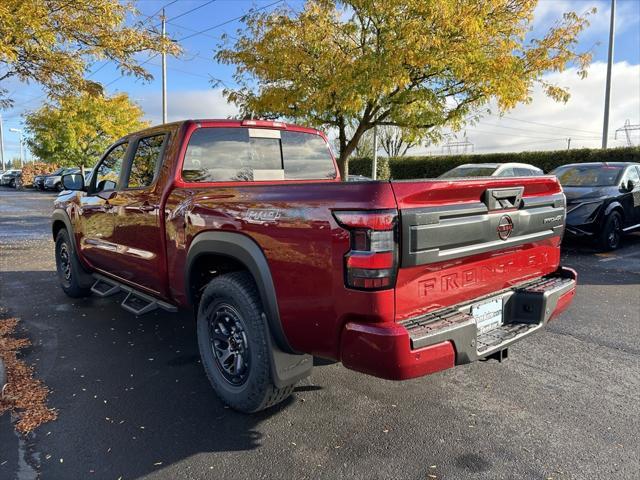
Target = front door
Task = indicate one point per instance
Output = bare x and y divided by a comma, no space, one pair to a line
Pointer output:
136,216
97,234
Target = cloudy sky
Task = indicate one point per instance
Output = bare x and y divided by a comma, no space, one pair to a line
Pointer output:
539,125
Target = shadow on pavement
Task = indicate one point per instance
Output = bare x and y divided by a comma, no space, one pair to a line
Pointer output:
131,393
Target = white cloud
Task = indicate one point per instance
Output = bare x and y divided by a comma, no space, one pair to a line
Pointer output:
580,119
181,105
548,12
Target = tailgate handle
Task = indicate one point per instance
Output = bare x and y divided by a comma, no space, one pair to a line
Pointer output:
503,198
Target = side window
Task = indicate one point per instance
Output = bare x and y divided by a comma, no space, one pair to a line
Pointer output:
146,161
632,174
108,172
507,172
524,172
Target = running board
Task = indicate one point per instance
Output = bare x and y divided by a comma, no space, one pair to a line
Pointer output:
135,302
104,288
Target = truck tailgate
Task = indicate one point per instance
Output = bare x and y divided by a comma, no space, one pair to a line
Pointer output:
463,239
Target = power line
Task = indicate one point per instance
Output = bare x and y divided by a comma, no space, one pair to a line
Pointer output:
192,10
252,10
148,17
473,130
202,32
543,124
481,123
122,76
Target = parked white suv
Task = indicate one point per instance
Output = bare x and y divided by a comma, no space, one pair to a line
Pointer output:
493,170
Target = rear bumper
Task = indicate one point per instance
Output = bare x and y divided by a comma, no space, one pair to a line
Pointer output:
448,337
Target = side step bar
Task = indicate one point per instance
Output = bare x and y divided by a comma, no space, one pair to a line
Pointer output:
135,302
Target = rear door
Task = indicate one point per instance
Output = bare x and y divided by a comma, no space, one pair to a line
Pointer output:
136,215
464,239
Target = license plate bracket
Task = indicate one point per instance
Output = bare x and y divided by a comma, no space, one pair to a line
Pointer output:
488,315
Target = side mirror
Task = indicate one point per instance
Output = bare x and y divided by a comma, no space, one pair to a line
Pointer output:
73,181
629,186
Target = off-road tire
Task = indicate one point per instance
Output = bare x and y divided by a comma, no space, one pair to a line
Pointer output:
68,267
238,291
611,235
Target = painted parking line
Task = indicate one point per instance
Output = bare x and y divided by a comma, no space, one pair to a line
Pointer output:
609,257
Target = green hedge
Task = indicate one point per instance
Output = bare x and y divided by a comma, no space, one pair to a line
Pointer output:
430,167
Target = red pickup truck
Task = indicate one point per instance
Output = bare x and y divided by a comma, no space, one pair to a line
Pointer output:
248,224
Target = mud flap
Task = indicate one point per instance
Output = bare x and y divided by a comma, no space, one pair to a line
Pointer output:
287,368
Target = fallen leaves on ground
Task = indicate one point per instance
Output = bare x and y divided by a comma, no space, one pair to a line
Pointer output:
24,396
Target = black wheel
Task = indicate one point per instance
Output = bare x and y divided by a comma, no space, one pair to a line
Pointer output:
59,187
12,183
68,267
234,347
611,234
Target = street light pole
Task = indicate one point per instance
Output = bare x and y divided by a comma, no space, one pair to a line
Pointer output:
18,130
607,92
1,144
164,70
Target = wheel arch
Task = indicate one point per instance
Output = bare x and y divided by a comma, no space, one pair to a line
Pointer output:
60,220
614,206
246,254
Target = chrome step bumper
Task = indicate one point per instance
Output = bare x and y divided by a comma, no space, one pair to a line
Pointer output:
526,309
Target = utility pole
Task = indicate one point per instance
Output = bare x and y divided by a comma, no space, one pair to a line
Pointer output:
607,92
374,167
569,143
164,70
1,144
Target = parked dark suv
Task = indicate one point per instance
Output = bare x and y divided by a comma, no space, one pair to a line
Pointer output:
603,200
38,180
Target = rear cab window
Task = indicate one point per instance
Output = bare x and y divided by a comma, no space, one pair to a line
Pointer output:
228,154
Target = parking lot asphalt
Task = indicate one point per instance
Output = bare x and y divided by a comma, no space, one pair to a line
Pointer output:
134,402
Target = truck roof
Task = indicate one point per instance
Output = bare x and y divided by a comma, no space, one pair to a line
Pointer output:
249,123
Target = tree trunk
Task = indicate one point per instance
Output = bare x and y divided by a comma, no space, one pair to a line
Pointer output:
347,147
343,165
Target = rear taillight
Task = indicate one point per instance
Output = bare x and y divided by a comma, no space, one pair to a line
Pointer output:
371,263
